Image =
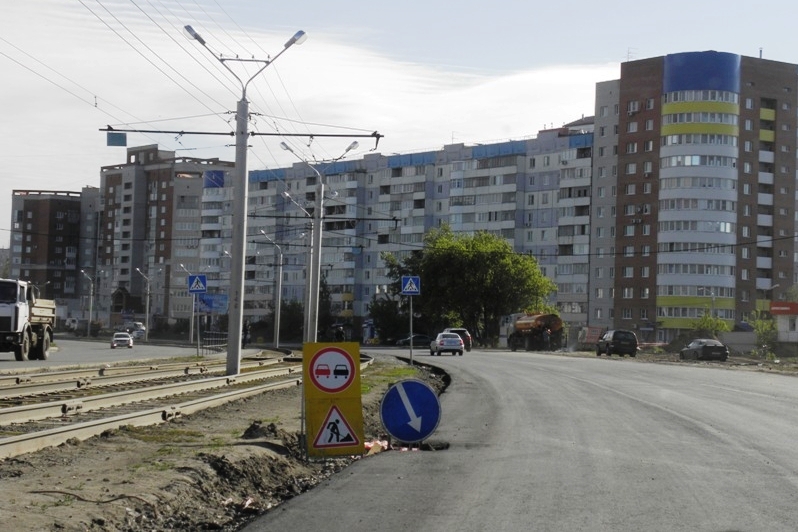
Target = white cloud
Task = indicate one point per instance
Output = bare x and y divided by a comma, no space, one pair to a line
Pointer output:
51,141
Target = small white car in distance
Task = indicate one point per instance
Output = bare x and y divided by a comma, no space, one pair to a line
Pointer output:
121,339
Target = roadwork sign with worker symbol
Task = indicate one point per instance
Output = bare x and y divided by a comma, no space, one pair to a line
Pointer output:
335,432
334,411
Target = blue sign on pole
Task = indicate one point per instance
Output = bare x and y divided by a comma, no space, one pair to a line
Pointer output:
411,285
410,411
197,284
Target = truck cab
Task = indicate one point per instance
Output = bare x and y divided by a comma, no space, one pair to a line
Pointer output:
26,322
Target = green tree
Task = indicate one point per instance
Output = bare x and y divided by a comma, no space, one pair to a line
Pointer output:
766,333
470,281
326,318
389,321
709,325
292,320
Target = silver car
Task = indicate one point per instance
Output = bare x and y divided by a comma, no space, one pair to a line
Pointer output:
121,339
447,342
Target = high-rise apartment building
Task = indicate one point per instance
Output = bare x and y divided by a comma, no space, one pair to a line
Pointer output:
535,193
694,205
45,239
149,232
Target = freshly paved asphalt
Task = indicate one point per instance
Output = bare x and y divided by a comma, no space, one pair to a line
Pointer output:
546,442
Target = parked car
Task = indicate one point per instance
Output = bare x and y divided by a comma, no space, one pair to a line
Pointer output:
419,340
704,349
447,342
464,334
121,339
619,341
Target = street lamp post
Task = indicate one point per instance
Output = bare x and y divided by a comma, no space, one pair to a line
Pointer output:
239,243
146,307
278,290
91,301
314,274
309,334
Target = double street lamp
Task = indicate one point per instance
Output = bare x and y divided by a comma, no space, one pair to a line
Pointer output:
238,248
278,290
314,273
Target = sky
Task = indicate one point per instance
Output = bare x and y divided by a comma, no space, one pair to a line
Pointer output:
422,73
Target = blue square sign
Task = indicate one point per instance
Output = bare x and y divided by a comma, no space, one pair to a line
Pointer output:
411,285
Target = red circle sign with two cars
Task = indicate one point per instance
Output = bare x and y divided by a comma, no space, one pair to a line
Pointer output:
332,369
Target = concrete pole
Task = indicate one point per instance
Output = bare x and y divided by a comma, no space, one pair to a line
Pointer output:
239,244
279,296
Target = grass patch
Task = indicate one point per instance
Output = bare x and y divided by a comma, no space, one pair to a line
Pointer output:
378,374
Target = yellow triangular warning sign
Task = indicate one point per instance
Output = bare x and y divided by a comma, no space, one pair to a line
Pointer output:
335,432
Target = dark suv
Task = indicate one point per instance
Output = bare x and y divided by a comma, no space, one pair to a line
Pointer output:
617,341
464,334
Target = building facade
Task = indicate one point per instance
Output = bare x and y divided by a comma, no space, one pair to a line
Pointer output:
45,241
700,191
149,234
677,198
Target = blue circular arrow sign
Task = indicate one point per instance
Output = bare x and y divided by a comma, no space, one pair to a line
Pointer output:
410,411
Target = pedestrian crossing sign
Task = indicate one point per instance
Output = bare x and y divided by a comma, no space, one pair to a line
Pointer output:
197,284
411,285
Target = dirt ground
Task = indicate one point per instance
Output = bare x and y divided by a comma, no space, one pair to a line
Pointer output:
214,470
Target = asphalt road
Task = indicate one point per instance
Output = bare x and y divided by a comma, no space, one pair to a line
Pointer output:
552,443
69,350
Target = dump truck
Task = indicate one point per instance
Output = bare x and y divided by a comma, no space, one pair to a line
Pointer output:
529,331
26,321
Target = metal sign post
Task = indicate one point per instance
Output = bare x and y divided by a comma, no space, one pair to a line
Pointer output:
411,286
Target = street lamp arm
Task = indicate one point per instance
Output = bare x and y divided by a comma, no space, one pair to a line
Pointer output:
298,38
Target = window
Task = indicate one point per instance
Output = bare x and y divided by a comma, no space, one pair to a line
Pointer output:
628,251
630,190
631,168
628,272
649,125
631,127
631,147
629,230
628,293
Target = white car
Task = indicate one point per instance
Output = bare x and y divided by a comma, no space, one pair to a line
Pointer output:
137,334
447,341
122,339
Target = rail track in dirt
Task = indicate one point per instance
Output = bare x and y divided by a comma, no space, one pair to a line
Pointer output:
46,409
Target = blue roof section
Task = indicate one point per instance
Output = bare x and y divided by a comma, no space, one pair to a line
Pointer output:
701,71
339,167
213,179
581,140
513,147
412,159
258,176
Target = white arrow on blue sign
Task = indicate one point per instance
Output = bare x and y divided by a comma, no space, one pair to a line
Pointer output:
411,285
410,411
